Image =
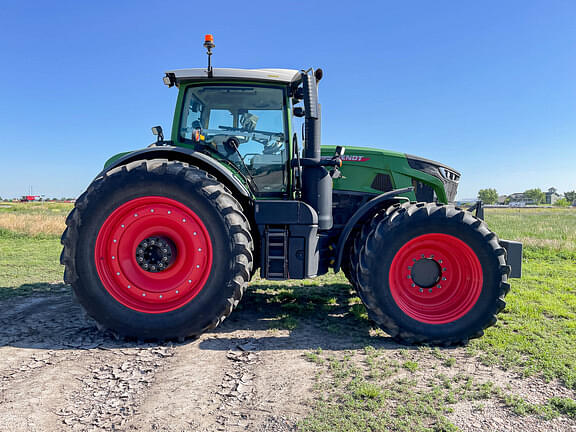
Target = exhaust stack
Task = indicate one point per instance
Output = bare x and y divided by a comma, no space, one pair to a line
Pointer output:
316,181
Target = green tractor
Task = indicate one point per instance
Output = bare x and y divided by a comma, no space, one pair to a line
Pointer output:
164,241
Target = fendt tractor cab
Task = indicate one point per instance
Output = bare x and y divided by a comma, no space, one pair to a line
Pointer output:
164,241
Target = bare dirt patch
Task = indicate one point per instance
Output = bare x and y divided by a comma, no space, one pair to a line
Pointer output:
58,373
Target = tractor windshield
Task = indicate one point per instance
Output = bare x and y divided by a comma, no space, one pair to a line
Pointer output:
244,124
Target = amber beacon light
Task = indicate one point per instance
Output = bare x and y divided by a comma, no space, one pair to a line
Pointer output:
209,44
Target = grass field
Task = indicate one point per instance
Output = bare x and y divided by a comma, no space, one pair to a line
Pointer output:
537,331
364,390
30,247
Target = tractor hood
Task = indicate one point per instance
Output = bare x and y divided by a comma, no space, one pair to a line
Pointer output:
371,170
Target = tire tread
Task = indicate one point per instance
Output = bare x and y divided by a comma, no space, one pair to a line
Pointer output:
201,182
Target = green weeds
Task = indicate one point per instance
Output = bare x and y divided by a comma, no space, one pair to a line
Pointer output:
355,398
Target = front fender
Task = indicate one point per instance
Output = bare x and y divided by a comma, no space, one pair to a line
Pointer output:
362,214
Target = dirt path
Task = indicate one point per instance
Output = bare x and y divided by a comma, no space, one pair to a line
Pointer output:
57,373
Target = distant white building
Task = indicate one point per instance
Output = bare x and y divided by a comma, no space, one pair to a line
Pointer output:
552,196
520,200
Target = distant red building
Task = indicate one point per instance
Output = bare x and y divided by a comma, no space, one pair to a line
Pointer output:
30,198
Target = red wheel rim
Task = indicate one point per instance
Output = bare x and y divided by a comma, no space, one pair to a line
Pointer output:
127,281
456,289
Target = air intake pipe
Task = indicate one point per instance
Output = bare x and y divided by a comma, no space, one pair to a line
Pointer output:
316,181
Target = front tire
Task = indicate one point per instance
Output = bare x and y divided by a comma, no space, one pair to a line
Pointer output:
432,273
157,249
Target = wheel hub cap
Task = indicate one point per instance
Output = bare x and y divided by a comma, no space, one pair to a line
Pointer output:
426,272
154,254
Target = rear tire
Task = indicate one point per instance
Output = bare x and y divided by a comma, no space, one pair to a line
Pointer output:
431,273
157,249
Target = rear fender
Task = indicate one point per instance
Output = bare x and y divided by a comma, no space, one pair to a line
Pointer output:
184,155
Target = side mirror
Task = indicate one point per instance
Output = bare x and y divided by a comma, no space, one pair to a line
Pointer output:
157,130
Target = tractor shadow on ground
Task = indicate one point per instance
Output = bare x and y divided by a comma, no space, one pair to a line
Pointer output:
281,317
298,317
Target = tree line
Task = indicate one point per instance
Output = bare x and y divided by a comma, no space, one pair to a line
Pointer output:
490,196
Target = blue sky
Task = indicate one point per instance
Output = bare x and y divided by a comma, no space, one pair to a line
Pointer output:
486,87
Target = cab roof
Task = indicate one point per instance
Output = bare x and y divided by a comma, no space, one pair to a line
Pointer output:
271,75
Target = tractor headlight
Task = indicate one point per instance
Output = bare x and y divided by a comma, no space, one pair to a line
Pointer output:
168,80
435,169
449,177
